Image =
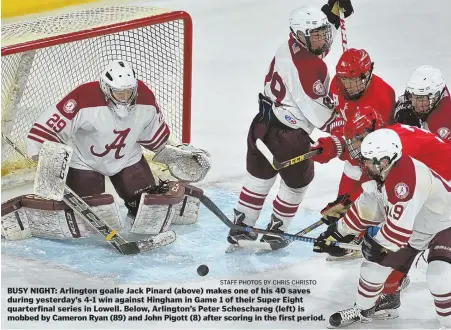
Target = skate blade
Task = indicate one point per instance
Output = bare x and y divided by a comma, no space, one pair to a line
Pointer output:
386,314
350,256
248,245
343,325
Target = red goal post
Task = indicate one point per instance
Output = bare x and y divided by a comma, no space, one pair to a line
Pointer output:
46,57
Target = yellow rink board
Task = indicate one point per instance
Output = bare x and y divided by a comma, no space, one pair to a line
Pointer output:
13,8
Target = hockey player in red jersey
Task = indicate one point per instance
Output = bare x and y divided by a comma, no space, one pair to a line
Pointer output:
354,85
106,123
417,143
403,209
426,102
295,101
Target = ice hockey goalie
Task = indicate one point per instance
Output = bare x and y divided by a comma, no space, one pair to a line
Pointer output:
102,126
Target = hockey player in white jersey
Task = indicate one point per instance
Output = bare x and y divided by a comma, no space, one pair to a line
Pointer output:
106,123
295,101
404,209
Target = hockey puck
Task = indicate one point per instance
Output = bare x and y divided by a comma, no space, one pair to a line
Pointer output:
202,270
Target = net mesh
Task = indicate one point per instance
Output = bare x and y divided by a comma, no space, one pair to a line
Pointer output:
37,79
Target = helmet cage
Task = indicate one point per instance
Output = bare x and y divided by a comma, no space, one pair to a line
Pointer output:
352,88
376,169
424,104
323,32
353,144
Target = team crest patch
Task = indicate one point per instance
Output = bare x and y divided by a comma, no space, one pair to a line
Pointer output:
70,106
318,88
443,132
401,190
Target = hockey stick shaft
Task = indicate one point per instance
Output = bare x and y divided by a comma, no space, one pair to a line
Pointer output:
344,37
80,207
289,237
280,165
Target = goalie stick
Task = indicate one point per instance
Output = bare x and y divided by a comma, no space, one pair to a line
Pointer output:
280,165
111,235
289,237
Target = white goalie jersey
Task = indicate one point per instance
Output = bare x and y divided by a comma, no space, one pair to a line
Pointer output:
101,141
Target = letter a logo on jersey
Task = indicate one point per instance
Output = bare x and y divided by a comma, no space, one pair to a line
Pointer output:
117,144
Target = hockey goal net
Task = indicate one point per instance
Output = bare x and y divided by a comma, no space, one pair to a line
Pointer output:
45,58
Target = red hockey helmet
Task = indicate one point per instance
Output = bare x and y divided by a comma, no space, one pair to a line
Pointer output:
364,121
353,72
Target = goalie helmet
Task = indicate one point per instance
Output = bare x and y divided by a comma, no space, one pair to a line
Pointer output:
311,29
380,150
364,121
353,73
119,84
425,89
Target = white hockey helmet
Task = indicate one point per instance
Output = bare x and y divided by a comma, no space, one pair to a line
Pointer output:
119,84
425,89
380,150
310,27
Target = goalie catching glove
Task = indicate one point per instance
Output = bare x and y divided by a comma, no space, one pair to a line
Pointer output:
185,162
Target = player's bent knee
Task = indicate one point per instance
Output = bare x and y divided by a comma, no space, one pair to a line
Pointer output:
156,211
187,211
30,215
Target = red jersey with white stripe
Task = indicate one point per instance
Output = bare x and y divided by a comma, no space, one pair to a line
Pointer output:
298,84
411,207
101,140
420,144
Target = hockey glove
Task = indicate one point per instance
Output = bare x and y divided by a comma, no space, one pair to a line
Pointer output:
323,243
405,114
331,10
336,210
332,146
372,250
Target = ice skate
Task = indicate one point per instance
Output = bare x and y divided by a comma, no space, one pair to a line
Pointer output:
235,236
349,316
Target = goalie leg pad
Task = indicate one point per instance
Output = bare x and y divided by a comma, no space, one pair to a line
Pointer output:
187,211
55,220
15,225
156,211
53,165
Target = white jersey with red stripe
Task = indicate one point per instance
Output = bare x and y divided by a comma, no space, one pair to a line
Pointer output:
411,207
101,141
298,84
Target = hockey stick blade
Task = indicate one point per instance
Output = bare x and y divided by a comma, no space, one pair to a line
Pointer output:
159,240
280,165
289,237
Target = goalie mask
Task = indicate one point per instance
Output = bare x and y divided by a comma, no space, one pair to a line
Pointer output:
425,89
364,121
311,29
354,70
119,84
380,150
